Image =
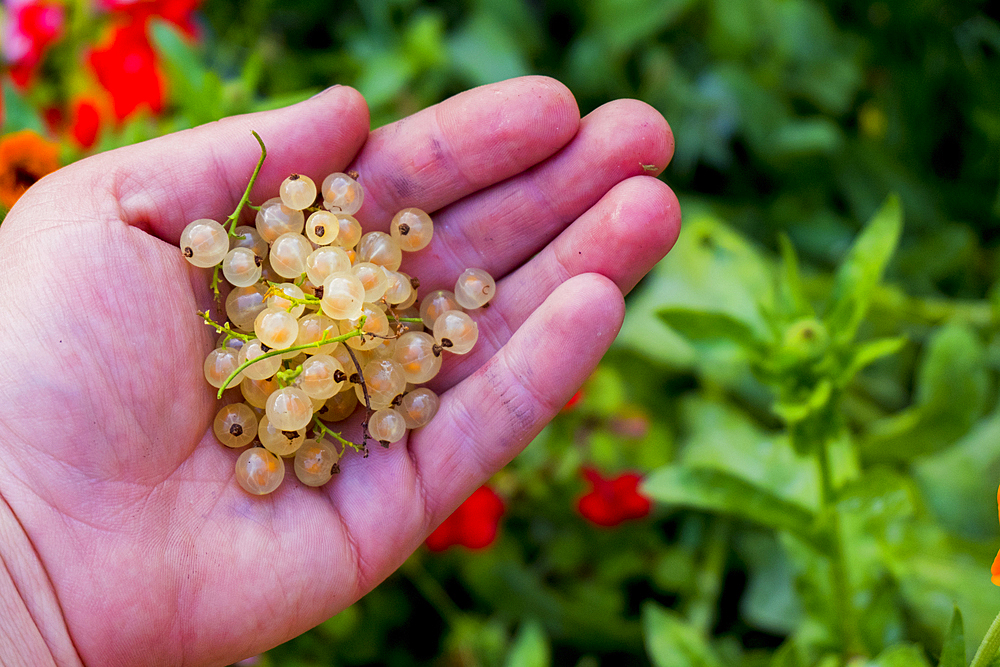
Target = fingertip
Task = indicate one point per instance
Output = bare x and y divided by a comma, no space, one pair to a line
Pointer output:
647,130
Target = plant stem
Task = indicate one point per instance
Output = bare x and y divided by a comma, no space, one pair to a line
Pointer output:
988,648
842,593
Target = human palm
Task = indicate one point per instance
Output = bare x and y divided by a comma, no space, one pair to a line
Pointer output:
107,460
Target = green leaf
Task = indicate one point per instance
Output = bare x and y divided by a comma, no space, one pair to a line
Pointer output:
791,296
951,390
18,114
724,493
901,655
699,325
862,269
953,650
867,353
672,642
531,647
193,87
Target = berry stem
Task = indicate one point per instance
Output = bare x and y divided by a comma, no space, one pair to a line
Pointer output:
232,219
322,430
295,348
285,377
365,434
224,328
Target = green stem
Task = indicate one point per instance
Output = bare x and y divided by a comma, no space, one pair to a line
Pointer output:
295,348
232,219
843,596
991,644
224,328
322,430
708,579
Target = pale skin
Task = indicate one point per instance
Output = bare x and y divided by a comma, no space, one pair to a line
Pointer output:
124,538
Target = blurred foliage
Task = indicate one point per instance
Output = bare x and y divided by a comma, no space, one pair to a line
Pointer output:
808,381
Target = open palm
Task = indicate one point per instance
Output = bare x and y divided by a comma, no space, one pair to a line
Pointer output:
125,532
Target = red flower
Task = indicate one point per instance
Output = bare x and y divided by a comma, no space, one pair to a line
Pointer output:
571,403
127,69
86,123
473,524
612,500
178,12
33,26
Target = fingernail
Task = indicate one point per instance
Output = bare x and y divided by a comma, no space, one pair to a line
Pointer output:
324,92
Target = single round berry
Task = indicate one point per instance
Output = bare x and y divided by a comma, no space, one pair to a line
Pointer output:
235,425
276,328
204,243
474,288
297,192
322,376
241,267
339,406
416,355
380,248
322,227
255,392
244,304
262,369
288,255
289,409
387,426
275,219
435,303
343,296
315,461
418,407
455,331
259,471
342,194
282,443
219,365
412,229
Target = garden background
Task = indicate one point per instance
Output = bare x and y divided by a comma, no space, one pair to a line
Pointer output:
790,456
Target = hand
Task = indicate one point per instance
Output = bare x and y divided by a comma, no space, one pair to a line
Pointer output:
123,528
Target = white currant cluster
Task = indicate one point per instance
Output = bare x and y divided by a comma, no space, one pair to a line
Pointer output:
319,320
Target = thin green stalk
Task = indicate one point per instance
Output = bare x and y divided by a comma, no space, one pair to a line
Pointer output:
990,646
295,348
842,593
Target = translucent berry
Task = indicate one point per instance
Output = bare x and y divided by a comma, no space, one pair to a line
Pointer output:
343,296
282,443
259,471
474,288
219,364
289,409
373,277
283,296
455,331
387,426
322,376
297,192
380,248
415,354
241,267
324,261
314,462
276,328
436,303
288,255
412,229
244,304
418,407
262,369
204,243
342,194
275,219
322,227
339,406
235,425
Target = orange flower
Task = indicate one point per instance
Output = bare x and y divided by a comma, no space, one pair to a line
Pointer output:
24,158
995,570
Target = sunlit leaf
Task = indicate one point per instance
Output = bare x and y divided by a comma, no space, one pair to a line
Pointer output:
672,642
